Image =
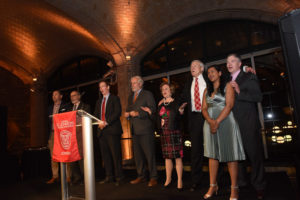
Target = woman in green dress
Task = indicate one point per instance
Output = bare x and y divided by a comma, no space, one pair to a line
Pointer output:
222,139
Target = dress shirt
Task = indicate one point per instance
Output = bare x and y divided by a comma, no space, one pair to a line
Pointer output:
202,86
106,99
235,75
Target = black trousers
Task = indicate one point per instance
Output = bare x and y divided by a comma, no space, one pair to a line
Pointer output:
252,143
110,146
77,170
196,121
144,151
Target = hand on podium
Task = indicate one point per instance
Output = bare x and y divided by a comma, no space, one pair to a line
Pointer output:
102,124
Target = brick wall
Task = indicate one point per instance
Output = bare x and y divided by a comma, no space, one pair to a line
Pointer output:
15,96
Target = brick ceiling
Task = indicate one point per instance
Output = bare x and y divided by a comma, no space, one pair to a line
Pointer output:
38,35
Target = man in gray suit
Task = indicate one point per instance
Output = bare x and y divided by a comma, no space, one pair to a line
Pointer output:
248,94
142,130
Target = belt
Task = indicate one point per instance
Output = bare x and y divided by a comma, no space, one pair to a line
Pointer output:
194,112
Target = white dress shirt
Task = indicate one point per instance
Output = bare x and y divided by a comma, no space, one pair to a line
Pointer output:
202,86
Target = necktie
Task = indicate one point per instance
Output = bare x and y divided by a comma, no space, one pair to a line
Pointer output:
197,96
103,109
135,97
74,107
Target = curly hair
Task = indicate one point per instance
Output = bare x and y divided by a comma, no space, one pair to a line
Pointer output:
224,79
171,86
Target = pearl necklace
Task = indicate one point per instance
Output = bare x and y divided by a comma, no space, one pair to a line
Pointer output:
167,103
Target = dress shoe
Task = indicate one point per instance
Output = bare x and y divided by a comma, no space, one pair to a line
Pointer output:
137,180
152,182
52,180
260,194
194,187
119,182
106,180
179,189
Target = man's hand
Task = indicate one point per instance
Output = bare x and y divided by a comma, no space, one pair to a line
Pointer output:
249,69
102,124
126,114
133,113
146,109
235,86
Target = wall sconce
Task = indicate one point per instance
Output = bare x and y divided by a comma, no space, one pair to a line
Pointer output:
34,79
128,57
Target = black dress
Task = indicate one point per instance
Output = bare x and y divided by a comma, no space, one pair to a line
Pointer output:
171,137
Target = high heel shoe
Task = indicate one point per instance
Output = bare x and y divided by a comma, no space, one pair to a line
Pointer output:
234,188
167,186
180,189
215,191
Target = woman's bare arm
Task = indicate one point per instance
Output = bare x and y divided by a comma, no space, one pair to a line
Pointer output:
229,99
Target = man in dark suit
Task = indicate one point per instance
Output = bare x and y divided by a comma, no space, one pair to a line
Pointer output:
248,94
77,167
192,96
57,107
142,130
108,109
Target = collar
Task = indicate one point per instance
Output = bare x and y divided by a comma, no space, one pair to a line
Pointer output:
57,104
106,96
138,92
235,74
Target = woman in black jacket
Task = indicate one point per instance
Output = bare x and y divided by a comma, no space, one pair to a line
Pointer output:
171,137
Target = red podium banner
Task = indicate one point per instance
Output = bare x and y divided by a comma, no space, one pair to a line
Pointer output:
65,147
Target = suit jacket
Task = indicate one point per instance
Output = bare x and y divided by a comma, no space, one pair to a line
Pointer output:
62,108
87,108
84,106
112,115
143,123
245,106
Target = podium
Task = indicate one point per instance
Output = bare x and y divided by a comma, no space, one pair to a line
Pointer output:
87,120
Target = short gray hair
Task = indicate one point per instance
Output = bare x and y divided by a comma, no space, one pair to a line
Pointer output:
139,79
198,61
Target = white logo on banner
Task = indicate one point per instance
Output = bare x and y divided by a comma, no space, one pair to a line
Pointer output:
65,124
65,139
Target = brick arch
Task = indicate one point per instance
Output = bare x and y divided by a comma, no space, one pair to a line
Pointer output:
23,74
185,23
62,58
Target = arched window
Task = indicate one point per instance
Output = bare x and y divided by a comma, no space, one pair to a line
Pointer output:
211,42
82,74
208,42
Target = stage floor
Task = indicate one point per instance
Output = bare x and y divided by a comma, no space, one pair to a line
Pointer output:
279,188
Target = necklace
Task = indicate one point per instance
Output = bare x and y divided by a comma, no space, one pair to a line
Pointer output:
167,103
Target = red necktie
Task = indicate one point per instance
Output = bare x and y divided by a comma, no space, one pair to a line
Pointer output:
103,109
197,96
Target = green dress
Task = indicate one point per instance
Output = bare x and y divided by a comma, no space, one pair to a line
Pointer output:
225,145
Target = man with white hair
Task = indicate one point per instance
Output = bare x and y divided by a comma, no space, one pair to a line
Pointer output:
142,130
192,97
